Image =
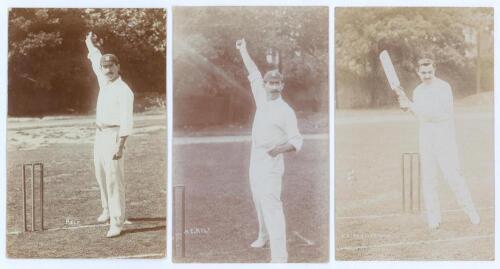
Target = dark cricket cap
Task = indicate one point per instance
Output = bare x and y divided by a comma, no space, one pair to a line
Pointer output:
109,58
273,75
425,62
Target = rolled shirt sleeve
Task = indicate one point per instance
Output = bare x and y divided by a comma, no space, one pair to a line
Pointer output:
126,112
292,131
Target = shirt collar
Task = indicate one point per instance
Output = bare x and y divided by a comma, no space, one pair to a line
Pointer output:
275,100
114,81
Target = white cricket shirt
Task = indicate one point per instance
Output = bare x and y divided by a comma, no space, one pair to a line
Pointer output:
115,102
433,102
275,122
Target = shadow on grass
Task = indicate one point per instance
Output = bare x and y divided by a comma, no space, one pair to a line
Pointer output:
147,219
147,229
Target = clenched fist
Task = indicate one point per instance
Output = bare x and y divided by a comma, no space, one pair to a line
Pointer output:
241,44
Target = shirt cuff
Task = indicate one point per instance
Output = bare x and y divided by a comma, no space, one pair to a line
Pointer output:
124,132
296,142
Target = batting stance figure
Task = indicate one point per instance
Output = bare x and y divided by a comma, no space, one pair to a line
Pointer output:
274,132
433,106
114,121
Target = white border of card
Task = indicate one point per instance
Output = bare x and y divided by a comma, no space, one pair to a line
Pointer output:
167,262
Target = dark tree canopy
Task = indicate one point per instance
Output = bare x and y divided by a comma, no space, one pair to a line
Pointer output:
48,67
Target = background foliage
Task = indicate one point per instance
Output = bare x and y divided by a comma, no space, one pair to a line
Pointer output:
208,67
448,35
49,72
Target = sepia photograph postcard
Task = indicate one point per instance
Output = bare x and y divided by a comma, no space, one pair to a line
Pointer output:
250,152
86,133
255,134
414,134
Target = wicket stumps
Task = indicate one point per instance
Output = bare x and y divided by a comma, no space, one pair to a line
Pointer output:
179,216
40,189
410,177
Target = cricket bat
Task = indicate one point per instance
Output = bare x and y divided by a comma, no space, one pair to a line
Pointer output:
390,72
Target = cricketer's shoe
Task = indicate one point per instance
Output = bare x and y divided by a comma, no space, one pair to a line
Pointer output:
113,232
259,243
104,217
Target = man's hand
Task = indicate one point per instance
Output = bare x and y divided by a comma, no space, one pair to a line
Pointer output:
89,37
399,90
404,102
287,147
275,151
119,153
241,44
119,148
93,40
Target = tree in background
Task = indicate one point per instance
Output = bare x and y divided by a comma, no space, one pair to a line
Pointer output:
444,34
48,68
206,62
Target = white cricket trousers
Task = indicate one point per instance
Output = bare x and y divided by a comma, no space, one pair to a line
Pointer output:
438,149
110,175
266,175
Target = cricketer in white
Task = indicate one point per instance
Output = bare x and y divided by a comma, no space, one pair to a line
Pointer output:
274,132
433,106
114,120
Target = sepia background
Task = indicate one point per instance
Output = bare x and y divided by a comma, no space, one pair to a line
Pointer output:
371,132
212,116
52,93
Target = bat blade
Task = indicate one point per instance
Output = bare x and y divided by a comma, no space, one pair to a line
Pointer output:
390,72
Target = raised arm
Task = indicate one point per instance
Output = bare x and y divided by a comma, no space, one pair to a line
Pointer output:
254,75
250,65
94,55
